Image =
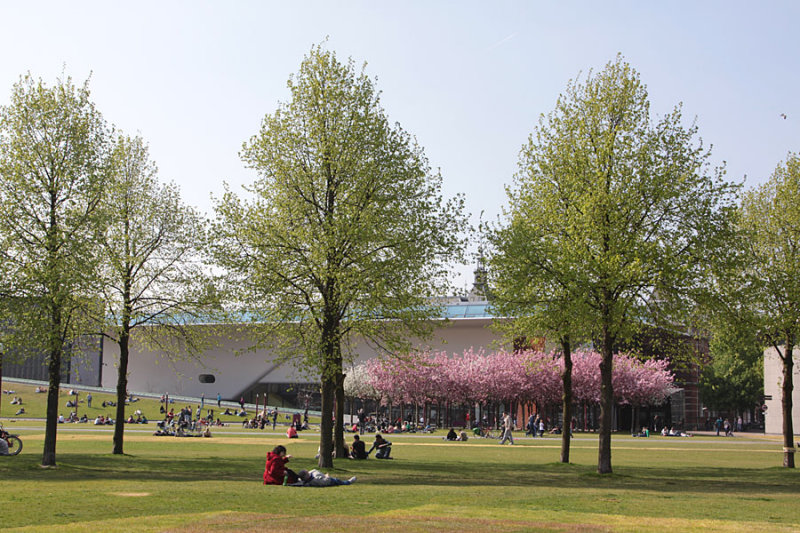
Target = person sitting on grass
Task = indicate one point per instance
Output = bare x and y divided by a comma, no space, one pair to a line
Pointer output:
452,435
463,437
275,471
358,449
291,432
383,446
315,478
20,411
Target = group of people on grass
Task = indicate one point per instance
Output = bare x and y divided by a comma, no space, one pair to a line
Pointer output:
276,472
16,400
535,425
368,423
73,418
725,425
139,419
453,436
184,424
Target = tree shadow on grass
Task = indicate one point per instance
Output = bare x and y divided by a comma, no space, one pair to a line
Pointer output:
557,475
492,471
76,467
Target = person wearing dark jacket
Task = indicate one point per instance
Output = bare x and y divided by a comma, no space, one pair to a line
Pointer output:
383,446
359,449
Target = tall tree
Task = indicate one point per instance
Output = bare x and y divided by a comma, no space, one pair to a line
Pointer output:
763,292
734,378
532,279
153,273
52,170
346,232
631,207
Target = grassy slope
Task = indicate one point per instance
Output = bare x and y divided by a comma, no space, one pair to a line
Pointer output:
35,405
214,484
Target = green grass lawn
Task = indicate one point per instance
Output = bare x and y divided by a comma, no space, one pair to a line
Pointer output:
193,484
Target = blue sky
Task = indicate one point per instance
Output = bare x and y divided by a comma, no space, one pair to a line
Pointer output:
468,79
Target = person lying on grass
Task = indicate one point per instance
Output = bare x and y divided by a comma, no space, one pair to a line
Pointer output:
315,478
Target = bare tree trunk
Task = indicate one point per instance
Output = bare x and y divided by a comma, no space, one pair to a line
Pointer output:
122,388
352,407
566,399
339,427
326,424
606,403
51,424
786,401
56,345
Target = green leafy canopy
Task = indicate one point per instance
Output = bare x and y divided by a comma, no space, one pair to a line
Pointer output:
346,221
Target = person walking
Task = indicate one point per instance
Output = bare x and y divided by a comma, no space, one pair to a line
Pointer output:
202,400
508,426
219,401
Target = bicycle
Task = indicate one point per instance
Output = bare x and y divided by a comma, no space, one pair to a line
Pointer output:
14,442
489,433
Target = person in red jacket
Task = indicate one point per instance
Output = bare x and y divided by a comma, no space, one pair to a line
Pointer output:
275,471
